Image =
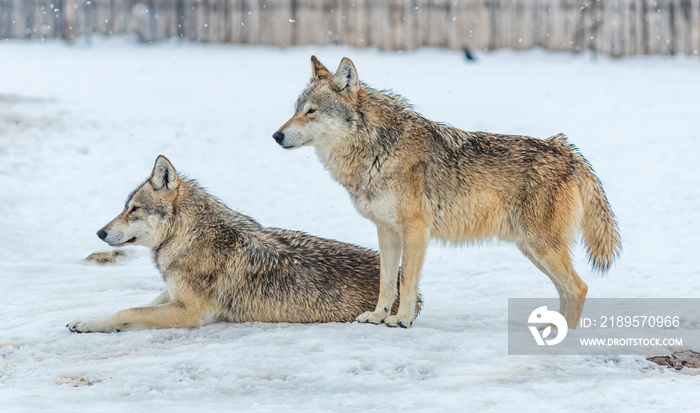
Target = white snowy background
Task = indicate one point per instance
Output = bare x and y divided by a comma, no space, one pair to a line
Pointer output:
81,126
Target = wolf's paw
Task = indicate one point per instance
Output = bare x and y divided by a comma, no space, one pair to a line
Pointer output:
107,257
373,317
90,326
398,321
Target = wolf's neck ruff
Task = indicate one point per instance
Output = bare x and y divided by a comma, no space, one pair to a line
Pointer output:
362,152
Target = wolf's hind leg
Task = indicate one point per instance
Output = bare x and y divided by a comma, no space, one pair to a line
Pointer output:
163,298
556,264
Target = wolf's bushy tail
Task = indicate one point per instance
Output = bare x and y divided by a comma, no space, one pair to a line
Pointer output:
600,230
599,226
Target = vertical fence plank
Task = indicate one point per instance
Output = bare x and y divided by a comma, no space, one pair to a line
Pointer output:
558,32
201,20
505,22
394,16
526,19
554,25
655,27
319,34
421,12
274,22
636,44
577,16
267,34
438,23
235,22
571,24
17,20
613,23
664,36
452,30
33,19
404,20
39,20
468,19
363,32
664,18
535,17
484,24
463,24
254,21
602,35
217,23
685,16
89,11
329,8
545,26
396,20
374,17
165,15
673,27
190,19
102,16
26,16
695,24
626,27
68,14
303,21
6,7
120,12
679,24
338,21
538,7
309,22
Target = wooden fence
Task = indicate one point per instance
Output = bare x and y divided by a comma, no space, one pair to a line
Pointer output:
615,27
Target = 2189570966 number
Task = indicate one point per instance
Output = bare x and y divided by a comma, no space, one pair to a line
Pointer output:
639,321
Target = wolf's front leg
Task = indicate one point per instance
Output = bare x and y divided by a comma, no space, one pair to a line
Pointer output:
389,256
415,241
172,315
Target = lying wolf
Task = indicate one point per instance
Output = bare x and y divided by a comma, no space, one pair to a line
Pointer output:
417,179
219,265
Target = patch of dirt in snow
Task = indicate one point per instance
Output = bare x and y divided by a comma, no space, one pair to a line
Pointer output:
76,382
679,360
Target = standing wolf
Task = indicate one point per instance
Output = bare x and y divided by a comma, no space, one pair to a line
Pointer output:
417,179
219,265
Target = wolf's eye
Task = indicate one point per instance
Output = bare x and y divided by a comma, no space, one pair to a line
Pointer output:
310,111
135,208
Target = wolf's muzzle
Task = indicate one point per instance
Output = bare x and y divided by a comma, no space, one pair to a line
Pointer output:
102,234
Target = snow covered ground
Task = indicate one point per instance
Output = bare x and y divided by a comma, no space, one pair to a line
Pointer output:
81,126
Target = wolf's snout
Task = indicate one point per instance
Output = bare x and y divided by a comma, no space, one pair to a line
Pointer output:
279,137
102,234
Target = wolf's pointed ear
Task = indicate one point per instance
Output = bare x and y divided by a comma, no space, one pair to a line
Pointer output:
345,78
319,70
164,174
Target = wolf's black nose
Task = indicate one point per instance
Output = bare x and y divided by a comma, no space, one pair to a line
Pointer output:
102,234
279,136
